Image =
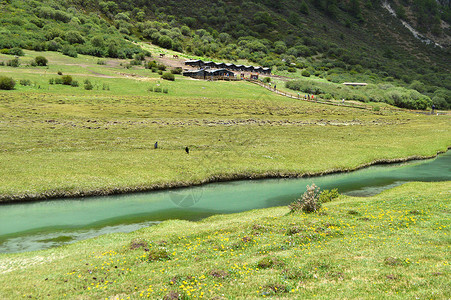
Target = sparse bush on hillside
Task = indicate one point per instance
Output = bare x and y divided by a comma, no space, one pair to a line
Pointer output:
168,76
7,83
176,71
15,62
25,82
305,73
41,61
66,80
88,85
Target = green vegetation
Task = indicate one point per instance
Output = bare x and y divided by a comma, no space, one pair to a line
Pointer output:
7,83
339,40
394,245
409,98
62,140
41,61
168,76
309,202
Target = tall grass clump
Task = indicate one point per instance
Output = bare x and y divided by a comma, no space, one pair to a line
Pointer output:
309,202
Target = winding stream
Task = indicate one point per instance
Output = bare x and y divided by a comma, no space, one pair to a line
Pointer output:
41,225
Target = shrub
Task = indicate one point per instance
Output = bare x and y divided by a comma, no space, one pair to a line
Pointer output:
165,90
66,80
88,85
16,51
58,81
309,201
60,73
176,71
267,79
69,51
305,73
168,76
13,63
25,82
160,254
327,196
157,89
74,83
101,62
51,81
135,62
41,61
7,83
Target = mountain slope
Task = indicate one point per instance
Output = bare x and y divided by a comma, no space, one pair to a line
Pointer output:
333,39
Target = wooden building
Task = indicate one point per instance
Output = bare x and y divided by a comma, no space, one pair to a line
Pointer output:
196,63
227,66
266,71
210,74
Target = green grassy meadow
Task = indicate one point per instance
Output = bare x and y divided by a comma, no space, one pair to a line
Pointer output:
394,245
61,140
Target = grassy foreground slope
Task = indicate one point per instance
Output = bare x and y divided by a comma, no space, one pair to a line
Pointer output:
394,245
61,140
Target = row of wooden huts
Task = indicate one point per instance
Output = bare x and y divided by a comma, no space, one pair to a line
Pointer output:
211,74
227,66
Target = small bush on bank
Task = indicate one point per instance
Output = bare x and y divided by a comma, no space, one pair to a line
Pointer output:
309,202
305,73
267,79
328,195
168,76
7,83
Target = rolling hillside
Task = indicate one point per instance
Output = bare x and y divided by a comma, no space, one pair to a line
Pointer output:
336,40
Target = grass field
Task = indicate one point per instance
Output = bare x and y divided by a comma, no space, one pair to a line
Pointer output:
66,141
394,245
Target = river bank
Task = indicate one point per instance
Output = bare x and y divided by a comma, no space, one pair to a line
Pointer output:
215,179
267,252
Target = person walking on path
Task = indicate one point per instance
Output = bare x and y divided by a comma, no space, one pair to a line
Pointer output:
343,101
155,146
